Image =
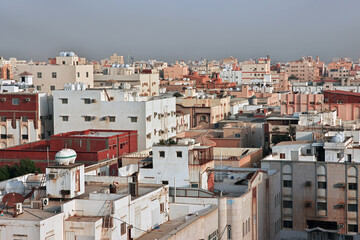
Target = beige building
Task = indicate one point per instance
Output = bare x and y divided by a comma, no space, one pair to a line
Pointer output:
317,195
68,68
204,112
114,59
255,69
148,84
175,72
304,69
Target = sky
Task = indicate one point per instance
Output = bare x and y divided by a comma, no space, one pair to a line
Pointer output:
172,30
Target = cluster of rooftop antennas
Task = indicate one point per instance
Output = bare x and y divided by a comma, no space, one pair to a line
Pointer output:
65,156
122,65
67,54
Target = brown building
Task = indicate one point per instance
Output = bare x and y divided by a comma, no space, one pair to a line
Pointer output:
318,195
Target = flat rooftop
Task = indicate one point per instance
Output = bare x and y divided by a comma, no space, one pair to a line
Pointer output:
171,227
98,134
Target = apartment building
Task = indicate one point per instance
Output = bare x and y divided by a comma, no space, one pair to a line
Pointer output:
318,199
205,111
175,72
346,103
114,59
153,117
305,69
292,103
148,84
66,69
255,69
24,117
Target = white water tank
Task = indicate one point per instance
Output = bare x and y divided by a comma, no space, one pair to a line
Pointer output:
65,156
15,186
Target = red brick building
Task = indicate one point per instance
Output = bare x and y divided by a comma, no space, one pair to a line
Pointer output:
91,146
24,118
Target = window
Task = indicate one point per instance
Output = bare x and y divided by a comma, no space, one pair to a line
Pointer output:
213,236
179,154
52,87
339,101
352,207
123,228
321,206
287,183
78,74
64,101
162,154
237,135
352,186
162,208
287,224
53,75
3,119
165,182
65,118
87,118
203,118
39,75
308,151
133,119
24,119
194,185
87,74
112,119
322,185
353,228
38,88
25,136
15,101
87,100
63,62
287,204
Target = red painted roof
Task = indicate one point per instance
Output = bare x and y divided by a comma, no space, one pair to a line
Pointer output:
25,74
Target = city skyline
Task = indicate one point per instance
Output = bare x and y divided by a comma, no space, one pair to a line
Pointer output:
165,31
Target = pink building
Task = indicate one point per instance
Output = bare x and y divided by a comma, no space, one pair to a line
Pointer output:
175,72
292,103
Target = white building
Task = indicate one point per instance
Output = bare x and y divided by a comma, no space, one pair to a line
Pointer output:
182,122
181,165
229,75
313,118
153,117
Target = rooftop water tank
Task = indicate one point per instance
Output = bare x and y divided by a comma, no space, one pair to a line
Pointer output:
15,186
65,156
34,180
338,138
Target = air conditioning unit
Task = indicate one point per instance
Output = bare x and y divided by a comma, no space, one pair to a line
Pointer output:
44,202
308,204
27,99
93,118
18,208
340,226
308,183
341,185
340,205
36,204
106,118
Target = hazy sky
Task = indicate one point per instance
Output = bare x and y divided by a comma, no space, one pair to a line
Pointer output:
182,29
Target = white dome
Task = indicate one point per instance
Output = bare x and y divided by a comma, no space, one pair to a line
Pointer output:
65,156
15,186
338,138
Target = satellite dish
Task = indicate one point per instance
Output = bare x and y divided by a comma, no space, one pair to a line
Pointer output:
11,199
